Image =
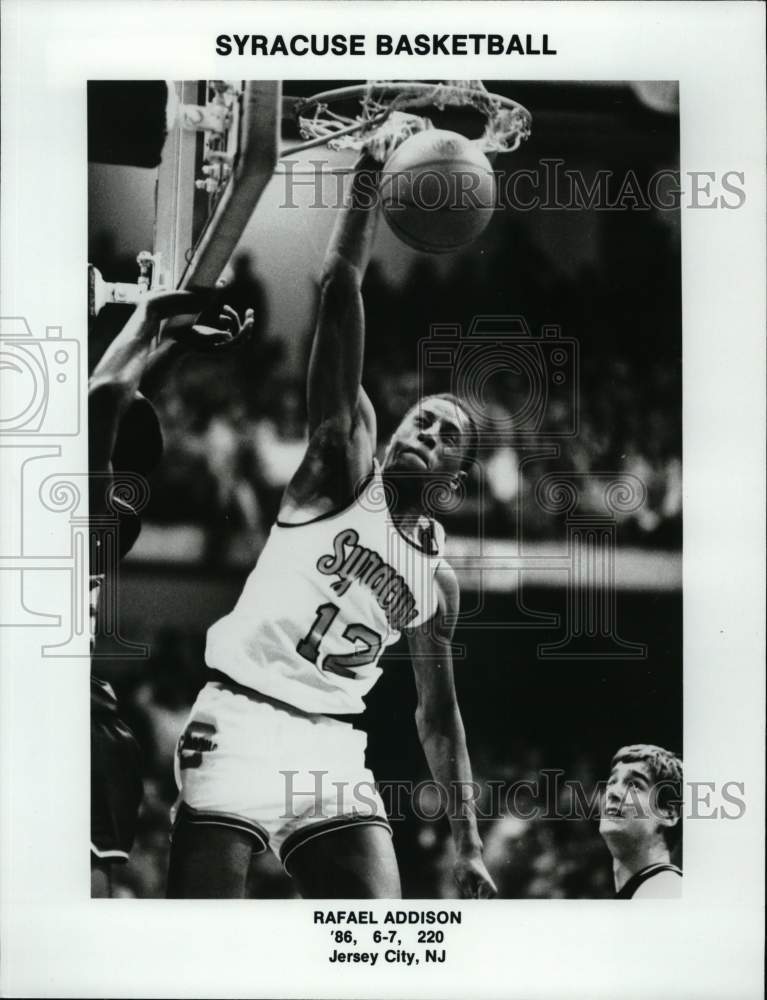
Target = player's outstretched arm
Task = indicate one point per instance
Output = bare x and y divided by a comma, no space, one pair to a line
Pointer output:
442,735
334,395
115,379
136,359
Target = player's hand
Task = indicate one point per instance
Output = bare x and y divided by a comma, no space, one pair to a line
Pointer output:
472,878
206,339
231,330
384,141
156,308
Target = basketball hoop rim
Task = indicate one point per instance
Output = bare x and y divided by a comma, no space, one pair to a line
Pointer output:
399,87
508,121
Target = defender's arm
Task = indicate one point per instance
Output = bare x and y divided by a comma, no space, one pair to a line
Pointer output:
442,736
116,377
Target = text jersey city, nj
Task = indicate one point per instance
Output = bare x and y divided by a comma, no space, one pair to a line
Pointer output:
323,601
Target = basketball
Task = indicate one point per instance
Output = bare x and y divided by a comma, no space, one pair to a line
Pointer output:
437,191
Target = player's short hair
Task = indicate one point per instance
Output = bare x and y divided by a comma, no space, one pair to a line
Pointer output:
472,446
665,768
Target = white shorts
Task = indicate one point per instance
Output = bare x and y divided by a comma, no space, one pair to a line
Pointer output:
265,768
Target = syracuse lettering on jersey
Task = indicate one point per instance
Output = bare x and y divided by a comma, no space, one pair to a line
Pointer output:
352,561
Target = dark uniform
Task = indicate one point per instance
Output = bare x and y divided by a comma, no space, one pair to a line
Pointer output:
116,759
116,786
638,878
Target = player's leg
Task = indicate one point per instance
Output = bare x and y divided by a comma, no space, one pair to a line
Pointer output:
352,862
339,845
215,834
209,861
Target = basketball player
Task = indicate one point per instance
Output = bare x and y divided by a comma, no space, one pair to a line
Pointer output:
125,437
352,562
641,821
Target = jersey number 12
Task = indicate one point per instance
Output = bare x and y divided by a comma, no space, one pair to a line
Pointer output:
343,664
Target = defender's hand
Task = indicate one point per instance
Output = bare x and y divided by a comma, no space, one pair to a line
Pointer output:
472,878
232,330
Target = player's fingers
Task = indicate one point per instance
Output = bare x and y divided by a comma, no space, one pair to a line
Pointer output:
212,334
232,313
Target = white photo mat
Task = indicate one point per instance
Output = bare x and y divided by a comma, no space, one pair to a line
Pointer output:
56,941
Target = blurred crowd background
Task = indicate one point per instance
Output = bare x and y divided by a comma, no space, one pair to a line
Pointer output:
234,433
234,426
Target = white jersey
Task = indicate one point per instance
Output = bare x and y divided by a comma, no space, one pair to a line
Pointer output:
323,601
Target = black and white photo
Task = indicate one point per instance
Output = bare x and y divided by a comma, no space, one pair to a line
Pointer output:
381,429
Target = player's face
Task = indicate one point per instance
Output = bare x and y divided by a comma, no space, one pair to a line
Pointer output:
432,438
629,808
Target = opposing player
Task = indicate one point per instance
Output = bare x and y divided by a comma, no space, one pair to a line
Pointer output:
124,441
352,561
641,821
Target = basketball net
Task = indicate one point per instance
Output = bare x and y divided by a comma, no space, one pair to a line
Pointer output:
383,123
